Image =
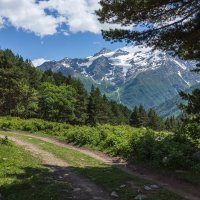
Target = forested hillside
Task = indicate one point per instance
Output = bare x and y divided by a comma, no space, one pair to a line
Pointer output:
30,93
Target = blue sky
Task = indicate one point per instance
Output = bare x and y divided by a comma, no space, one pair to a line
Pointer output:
52,29
53,47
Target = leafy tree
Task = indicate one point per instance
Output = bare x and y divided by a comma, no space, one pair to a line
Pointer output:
57,102
28,102
28,92
166,24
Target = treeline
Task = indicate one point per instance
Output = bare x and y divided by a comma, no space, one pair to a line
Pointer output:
141,118
27,92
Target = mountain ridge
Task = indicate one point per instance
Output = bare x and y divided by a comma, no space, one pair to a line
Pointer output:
131,75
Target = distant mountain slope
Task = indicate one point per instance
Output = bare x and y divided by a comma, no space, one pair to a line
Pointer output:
131,75
169,107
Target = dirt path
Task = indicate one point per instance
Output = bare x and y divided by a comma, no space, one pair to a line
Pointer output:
179,187
83,189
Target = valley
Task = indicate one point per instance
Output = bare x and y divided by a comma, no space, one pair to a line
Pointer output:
131,75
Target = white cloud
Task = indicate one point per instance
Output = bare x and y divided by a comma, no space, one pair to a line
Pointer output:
1,22
76,15
38,62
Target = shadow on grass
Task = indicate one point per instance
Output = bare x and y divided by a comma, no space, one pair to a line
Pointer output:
34,184
52,184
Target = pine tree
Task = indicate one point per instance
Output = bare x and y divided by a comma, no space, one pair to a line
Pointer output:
134,119
81,104
143,118
164,24
154,121
92,108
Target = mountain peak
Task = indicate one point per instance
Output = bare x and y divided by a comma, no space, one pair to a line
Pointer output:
102,51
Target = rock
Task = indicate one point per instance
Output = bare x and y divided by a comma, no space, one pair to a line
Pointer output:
114,194
154,186
77,189
147,188
140,197
122,186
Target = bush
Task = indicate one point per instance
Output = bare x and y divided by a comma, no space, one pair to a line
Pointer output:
4,141
161,149
171,151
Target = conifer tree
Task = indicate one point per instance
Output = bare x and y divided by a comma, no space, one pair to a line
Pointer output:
154,121
81,104
92,108
164,24
134,119
142,118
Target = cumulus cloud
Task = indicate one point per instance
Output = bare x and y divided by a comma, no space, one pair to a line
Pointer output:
47,17
1,22
38,62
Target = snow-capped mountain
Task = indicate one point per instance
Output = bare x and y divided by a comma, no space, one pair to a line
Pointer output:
132,75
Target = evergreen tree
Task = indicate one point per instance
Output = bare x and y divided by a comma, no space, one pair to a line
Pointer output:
171,123
80,104
11,75
92,108
28,92
191,121
165,24
142,118
154,121
134,119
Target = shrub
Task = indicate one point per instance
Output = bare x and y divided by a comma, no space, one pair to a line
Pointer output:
4,141
161,149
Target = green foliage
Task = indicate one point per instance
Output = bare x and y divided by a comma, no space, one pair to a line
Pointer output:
172,123
57,102
140,118
161,149
4,141
191,120
27,92
166,151
156,23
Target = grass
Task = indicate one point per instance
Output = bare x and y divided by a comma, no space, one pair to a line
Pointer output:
22,177
104,175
